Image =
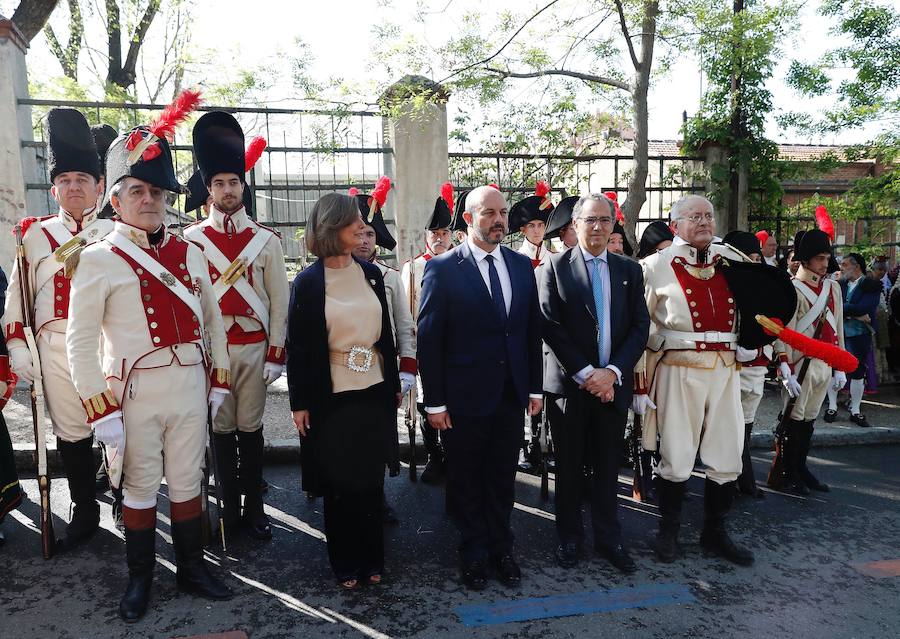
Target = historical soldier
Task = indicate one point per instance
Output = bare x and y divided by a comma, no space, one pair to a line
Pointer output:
819,314
754,363
618,242
246,266
560,223
104,135
691,378
655,237
437,241
145,297
52,244
458,228
10,489
529,216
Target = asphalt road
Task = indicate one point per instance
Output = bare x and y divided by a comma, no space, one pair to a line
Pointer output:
809,579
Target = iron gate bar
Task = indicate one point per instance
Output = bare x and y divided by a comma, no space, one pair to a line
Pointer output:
138,106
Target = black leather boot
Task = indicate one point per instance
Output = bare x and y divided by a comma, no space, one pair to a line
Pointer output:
793,459
78,461
192,575
747,481
251,452
714,539
226,481
808,478
436,467
671,497
140,551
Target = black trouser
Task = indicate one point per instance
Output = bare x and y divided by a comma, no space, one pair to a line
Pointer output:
431,436
355,533
482,460
859,345
588,432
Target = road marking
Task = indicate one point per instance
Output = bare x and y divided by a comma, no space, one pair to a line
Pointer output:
576,603
880,569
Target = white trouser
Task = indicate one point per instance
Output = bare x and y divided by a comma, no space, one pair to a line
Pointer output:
243,409
63,402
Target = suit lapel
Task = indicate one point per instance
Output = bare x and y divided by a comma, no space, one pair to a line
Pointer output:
466,262
615,288
582,280
512,267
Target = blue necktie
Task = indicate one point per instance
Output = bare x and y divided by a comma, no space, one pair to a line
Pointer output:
496,290
597,286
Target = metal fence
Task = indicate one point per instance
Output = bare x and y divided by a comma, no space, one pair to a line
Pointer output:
309,153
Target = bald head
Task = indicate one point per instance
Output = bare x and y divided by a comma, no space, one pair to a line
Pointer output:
487,216
484,197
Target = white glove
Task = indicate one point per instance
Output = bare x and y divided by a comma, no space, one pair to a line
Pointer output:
216,398
21,363
746,354
789,380
640,404
839,380
272,371
111,432
406,382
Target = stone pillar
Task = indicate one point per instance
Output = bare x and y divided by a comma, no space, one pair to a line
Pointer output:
16,162
415,126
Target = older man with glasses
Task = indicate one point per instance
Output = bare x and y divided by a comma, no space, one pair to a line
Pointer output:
690,389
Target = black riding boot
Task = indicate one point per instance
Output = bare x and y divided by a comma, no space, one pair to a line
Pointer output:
436,466
226,479
140,551
192,575
78,461
808,478
714,539
251,451
793,458
671,497
746,480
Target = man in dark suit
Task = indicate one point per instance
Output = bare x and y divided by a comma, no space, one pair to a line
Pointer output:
479,349
595,323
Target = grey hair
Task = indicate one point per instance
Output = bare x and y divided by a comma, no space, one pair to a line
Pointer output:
331,213
595,197
677,210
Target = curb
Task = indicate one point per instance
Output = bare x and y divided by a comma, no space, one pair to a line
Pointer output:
287,451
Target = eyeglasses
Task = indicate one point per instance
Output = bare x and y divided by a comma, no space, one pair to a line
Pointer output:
594,221
697,218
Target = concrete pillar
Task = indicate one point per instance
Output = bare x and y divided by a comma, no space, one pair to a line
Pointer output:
415,126
16,162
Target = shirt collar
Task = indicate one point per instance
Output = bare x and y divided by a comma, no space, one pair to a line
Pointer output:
479,253
238,220
805,275
139,236
590,258
88,218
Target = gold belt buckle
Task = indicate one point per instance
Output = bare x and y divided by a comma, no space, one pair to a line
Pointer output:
353,357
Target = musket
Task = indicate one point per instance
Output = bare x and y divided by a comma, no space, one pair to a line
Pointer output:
38,409
545,467
205,524
215,465
411,412
643,472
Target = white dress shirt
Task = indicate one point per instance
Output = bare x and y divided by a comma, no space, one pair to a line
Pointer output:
581,375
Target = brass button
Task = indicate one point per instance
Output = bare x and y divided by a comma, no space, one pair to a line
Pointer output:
731,311
249,311
697,324
186,278
702,346
140,271
688,291
731,300
59,285
693,303
59,298
196,332
150,310
59,311
146,298
214,276
156,339
145,283
153,324
182,266
696,314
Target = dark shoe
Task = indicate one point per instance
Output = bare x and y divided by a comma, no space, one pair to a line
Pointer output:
78,461
474,575
806,477
435,470
567,555
508,570
671,498
254,519
140,551
860,420
618,556
717,542
666,547
830,416
192,575
388,516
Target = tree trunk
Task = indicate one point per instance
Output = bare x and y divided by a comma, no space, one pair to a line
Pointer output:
31,16
637,183
68,57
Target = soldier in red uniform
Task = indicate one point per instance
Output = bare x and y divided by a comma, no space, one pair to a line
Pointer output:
52,245
144,298
246,265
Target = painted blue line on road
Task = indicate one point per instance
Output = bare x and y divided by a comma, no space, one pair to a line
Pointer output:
576,603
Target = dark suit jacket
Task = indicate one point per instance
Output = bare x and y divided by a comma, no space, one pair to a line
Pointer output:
462,344
570,323
309,366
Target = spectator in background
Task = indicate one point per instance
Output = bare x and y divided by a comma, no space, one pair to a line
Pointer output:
769,248
878,365
861,295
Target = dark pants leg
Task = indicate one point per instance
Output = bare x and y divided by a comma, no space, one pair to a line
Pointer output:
746,480
568,437
606,430
482,453
355,533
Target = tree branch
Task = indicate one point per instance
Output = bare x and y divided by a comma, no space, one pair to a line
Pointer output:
624,24
585,77
114,33
505,44
31,16
137,39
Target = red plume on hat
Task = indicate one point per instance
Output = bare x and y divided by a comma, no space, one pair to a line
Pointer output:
542,190
494,186
379,194
612,195
823,221
254,152
762,236
353,191
447,194
174,114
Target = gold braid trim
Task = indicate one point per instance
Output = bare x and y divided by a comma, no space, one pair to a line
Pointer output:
100,404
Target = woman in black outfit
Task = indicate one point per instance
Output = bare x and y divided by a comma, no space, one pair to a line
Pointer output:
344,388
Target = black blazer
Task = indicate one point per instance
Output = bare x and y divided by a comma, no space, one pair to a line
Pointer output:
309,366
462,344
570,322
